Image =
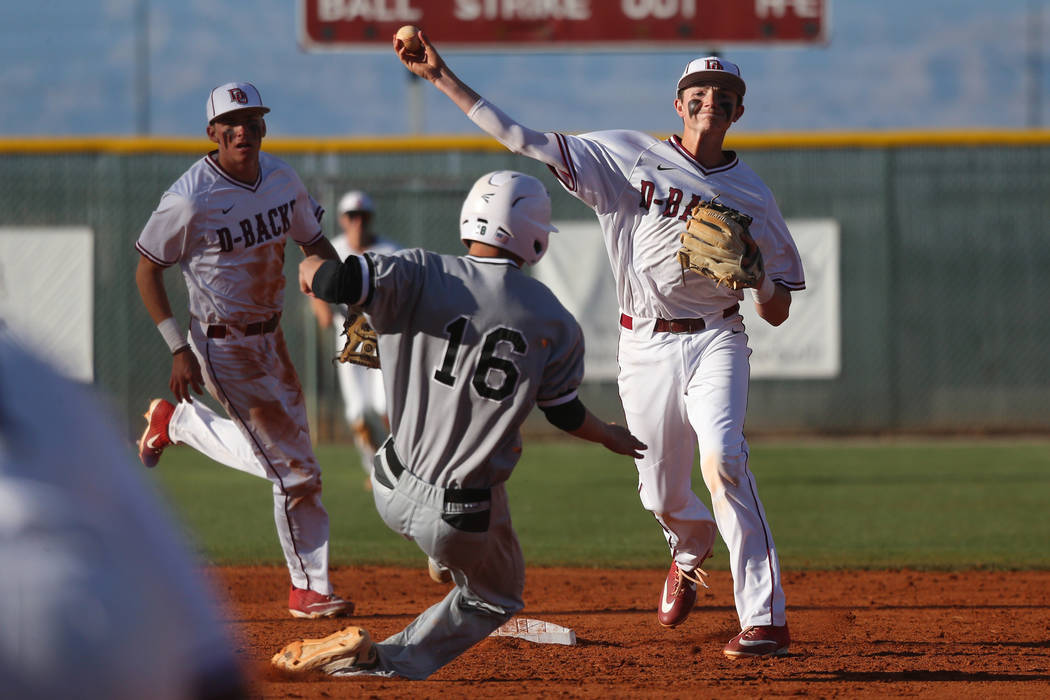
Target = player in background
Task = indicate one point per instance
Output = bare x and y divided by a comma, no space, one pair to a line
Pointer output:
683,353
100,598
225,222
469,345
361,387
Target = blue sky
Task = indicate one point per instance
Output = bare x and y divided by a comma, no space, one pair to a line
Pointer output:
68,67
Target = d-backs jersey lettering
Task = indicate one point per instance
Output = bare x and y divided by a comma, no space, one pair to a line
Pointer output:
642,190
229,237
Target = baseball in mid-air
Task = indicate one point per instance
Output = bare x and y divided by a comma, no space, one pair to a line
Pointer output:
409,36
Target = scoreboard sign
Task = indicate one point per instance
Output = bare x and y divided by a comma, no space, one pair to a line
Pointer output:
561,25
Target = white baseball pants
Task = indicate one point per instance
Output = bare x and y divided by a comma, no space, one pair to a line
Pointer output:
267,435
680,390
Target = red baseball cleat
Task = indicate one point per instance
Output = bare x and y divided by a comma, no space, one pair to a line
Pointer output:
155,438
303,602
679,595
768,640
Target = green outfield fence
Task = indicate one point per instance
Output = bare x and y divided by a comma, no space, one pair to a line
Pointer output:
945,240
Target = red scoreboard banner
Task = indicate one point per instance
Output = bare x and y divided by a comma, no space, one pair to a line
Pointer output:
563,25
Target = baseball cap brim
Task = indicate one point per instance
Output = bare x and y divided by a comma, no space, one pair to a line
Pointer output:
261,111
722,79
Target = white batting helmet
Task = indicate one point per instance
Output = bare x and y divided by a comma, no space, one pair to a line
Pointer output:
509,210
355,200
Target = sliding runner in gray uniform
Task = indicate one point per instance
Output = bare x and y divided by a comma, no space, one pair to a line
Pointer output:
468,346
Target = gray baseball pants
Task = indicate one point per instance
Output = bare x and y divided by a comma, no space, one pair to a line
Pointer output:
466,530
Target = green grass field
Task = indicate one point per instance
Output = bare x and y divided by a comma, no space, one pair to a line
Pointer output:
835,504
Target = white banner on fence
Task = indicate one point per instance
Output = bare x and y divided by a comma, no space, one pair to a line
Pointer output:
576,268
47,294
806,346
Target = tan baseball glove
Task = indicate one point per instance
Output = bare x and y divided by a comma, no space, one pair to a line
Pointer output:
716,244
362,346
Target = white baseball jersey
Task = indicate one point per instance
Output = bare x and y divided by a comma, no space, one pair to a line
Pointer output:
229,237
642,190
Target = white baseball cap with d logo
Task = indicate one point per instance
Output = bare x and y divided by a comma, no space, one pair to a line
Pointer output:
712,70
232,97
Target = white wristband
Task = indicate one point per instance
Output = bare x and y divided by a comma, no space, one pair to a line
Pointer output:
169,330
765,292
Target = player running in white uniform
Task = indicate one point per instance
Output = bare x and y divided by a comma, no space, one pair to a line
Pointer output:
469,345
683,354
226,222
361,387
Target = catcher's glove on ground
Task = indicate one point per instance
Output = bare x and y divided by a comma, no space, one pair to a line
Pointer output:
716,244
361,347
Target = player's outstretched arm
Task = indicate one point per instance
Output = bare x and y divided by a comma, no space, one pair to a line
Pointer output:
517,138
613,437
431,67
334,281
575,419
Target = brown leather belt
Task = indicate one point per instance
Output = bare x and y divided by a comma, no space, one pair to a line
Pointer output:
678,325
258,328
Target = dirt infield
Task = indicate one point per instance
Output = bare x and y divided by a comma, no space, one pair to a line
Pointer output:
855,634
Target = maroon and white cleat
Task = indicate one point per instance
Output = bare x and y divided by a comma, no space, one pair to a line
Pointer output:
767,640
155,438
679,595
302,602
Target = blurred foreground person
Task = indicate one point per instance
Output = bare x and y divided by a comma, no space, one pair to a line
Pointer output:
99,598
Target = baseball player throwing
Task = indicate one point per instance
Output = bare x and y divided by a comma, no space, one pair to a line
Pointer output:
683,354
478,342
361,387
226,222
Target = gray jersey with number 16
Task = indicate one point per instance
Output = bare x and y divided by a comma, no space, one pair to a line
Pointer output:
461,338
